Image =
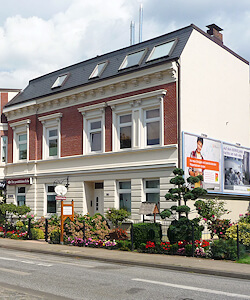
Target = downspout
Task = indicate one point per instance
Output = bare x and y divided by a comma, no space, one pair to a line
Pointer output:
178,98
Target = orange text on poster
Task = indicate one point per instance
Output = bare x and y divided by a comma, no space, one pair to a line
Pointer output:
202,164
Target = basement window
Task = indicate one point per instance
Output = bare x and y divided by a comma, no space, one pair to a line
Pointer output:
133,59
98,70
60,81
161,50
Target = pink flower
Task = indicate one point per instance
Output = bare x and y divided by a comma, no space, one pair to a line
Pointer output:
212,216
205,219
32,216
214,231
221,233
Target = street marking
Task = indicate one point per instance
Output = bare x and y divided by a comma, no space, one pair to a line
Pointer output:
14,271
192,288
27,262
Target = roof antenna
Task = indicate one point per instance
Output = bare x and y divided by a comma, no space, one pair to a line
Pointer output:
140,23
132,33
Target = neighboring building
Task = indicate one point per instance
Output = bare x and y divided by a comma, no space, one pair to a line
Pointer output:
5,96
112,125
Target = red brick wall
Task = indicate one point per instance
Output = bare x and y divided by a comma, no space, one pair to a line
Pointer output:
108,129
4,101
72,125
170,115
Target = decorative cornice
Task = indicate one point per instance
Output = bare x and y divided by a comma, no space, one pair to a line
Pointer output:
50,117
91,107
20,123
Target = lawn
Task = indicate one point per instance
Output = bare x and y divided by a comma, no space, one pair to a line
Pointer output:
244,260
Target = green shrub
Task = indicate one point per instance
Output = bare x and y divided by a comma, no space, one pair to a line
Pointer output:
244,233
117,216
144,232
55,236
37,234
225,249
181,230
124,245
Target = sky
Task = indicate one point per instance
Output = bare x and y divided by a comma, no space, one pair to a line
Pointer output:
41,36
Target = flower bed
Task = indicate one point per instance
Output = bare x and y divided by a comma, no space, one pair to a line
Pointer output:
92,243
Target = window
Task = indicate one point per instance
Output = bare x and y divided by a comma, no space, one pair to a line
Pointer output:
52,141
22,146
152,191
51,135
4,142
124,191
21,196
98,70
125,131
133,59
51,199
161,50
60,81
95,135
152,126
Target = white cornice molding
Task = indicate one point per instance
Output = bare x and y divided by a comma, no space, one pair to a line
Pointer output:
110,87
92,107
142,96
50,117
20,123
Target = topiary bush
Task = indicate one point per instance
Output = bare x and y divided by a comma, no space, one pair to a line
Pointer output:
144,232
37,234
181,230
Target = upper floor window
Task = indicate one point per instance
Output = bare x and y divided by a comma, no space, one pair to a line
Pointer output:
4,143
152,126
133,59
60,81
21,195
95,135
161,50
20,140
51,135
52,141
125,131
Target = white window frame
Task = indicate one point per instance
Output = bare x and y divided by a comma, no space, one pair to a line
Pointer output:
4,145
90,114
151,120
46,200
151,190
51,122
21,127
58,82
20,194
96,73
93,131
124,191
137,106
121,125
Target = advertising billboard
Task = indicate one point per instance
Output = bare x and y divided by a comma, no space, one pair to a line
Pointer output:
225,167
202,156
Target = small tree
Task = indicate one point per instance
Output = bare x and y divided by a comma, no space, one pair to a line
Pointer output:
117,216
182,193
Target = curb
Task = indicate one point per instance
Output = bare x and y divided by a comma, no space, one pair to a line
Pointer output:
137,263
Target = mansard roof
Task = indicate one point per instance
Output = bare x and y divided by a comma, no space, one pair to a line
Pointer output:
79,74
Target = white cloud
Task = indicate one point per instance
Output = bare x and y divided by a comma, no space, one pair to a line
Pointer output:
37,39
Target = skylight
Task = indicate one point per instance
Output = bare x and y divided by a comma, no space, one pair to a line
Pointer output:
132,59
98,70
59,81
161,50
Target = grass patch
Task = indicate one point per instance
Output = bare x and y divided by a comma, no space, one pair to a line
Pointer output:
244,260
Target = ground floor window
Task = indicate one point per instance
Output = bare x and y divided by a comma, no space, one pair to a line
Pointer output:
152,191
21,196
51,199
124,191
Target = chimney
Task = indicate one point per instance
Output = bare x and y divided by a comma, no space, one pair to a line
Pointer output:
214,31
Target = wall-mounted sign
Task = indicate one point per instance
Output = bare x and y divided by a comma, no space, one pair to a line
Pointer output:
16,181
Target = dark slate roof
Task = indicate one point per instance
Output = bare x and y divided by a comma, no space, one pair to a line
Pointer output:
79,73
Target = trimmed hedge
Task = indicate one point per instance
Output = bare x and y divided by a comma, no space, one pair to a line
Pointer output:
144,232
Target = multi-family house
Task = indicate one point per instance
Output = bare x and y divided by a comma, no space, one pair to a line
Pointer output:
111,128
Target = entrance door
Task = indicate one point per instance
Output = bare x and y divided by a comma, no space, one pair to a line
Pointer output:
98,198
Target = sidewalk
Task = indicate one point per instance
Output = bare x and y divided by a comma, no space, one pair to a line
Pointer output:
171,262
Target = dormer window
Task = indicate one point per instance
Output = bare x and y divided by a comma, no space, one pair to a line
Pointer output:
133,59
161,50
60,81
98,70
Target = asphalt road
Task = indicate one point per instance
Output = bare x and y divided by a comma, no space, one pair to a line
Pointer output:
25,275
